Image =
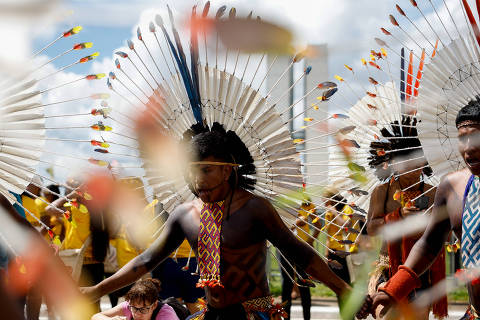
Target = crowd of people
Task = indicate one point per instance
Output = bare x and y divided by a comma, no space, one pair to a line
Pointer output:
103,245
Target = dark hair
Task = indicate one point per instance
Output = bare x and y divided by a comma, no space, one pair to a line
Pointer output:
400,140
471,112
146,290
203,142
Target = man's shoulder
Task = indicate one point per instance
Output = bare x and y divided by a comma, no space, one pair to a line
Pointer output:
452,183
457,178
255,200
186,208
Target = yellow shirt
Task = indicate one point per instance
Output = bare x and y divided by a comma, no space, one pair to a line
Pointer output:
77,231
41,204
154,224
56,225
35,207
125,251
355,224
333,229
304,231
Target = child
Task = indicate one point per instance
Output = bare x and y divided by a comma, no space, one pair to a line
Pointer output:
141,304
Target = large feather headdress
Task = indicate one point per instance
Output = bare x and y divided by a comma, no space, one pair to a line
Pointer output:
189,92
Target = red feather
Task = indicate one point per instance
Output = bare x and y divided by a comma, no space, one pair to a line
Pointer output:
476,31
435,49
477,3
419,74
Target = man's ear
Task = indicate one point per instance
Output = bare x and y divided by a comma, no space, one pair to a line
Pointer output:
227,171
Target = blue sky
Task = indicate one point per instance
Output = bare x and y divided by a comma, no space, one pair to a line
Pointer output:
105,39
109,23
346,26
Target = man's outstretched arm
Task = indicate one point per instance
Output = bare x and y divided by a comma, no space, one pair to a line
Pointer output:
169,239
299,252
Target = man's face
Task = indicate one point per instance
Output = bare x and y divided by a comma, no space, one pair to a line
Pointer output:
469,147
210,181
409,166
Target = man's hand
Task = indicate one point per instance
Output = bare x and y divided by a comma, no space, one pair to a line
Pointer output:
381,299
92,293
365,310
410,211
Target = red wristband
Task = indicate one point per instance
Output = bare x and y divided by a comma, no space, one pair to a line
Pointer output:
402,283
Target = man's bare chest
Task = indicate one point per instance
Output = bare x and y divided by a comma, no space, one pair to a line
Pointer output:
238,230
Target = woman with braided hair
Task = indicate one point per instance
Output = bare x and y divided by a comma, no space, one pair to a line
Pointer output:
228,227
399,161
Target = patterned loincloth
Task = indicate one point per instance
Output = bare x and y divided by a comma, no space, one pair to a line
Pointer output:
255,309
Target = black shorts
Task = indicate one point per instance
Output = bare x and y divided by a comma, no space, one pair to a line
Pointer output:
176,282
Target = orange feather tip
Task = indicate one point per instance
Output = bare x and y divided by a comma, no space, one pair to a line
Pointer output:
373,64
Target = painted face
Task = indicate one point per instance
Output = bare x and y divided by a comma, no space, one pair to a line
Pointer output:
142,310
469,147
210,181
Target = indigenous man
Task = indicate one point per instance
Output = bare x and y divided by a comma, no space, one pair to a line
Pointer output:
391,202
232,258
456,208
